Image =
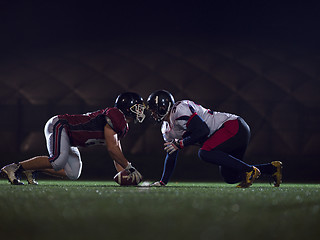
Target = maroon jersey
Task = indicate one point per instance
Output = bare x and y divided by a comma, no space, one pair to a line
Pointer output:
88,129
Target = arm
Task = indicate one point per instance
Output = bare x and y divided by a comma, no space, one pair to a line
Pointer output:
169,166
114,148
115,151
117,165
198,129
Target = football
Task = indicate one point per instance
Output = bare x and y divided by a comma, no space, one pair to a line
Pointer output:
123,178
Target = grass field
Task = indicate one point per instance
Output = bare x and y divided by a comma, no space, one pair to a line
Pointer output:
103,210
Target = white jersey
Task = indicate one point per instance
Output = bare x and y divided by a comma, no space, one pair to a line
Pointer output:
182,111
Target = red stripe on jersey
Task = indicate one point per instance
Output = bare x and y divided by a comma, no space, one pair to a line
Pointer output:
228,130
192,116
56,141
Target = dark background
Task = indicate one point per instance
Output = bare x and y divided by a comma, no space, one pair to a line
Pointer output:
257,59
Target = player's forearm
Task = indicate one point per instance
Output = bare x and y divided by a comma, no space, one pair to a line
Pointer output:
117,166
169,166
117,156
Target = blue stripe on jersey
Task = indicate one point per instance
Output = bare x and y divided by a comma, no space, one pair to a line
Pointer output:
192,109
187,117
183,118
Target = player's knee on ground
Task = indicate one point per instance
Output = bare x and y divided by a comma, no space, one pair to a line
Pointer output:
229,175
73,176
202,155
73,169
218,157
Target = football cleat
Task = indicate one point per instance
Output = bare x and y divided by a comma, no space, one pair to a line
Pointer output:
277,175
31,177
9,172
157,184
249,178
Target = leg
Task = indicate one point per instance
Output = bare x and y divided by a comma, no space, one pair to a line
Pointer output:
61,173
273,169
266,168
55,138
30,167
226,148
64,158
233,170
58,147
36,163
67,164
225,160
230,175
73,166
27,167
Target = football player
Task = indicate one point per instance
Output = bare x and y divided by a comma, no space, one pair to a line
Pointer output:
223,139
65,133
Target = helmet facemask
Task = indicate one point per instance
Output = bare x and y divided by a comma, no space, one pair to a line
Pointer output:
132,106
138,110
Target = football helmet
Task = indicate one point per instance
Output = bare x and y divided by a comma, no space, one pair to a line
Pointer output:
160,103
132,106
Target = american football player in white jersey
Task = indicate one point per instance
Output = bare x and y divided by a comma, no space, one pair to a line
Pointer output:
223,139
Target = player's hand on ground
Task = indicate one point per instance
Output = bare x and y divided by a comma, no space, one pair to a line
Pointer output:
134,173
157,184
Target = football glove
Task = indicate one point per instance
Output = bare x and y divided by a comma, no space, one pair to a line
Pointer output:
173,146
134,174
158,184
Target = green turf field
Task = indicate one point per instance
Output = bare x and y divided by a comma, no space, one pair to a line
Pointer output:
103,210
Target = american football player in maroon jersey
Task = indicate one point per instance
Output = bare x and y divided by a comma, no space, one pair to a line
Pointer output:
65,133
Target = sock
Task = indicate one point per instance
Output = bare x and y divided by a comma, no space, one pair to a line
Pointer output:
266,168
20,168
